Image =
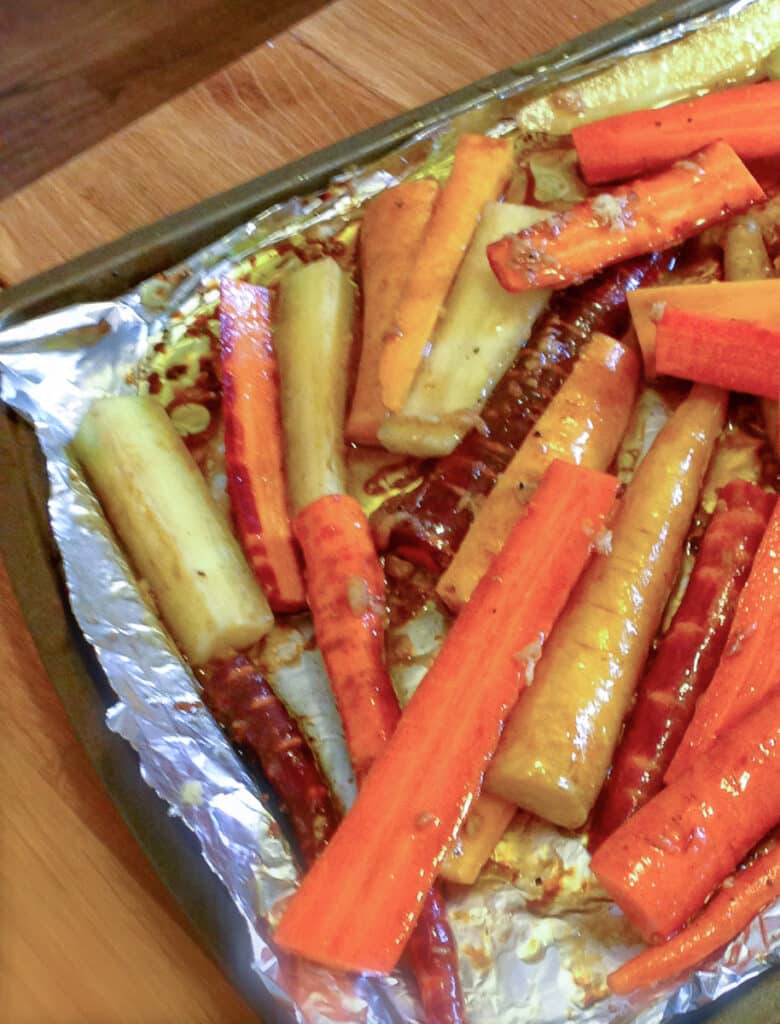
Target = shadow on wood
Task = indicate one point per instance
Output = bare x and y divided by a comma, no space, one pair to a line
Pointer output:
74,71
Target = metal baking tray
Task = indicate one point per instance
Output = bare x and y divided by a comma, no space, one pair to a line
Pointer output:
28,549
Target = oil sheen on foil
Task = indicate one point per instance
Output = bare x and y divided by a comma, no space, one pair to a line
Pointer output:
536,936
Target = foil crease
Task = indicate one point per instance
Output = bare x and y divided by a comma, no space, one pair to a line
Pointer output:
535,944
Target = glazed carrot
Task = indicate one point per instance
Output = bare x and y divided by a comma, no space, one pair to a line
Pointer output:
686,658
747,117
347,599
254,718
645,215
254,449
731,354
481,171
559,741
665,861
346,588
749,670
756,301
359,903
390,236
487,821
736,903
427,524
584,424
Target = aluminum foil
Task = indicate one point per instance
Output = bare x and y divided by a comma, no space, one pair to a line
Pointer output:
536,935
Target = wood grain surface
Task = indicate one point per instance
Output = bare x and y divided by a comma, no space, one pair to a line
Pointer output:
351,65
74,71
88,933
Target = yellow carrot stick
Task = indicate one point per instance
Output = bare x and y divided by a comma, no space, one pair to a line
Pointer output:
558,743
583,424
487,821
390,236
480,172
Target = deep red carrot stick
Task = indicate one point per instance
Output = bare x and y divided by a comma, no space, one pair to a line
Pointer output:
428,524
686,658
346,587
253,443
347,599
747,117
749,670
734,906
665,861
243,702
645,215
367,886
732,354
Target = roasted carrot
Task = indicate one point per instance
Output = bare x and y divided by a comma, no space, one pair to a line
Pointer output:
736,903
433,957
347,599
584,424
666,860
254,718
254,449
558,743
756,301
390,236
427,525
747,117
487,820
733,354
749,670
346,588
645,215
359,903
686,658
480,172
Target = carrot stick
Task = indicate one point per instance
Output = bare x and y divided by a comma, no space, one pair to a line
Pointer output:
750,891
756,301
347,599
686,658
559,741
747,117
390,237
358,904
426,525
749,670
487,821
480,173
254,718
663,863
731,354
642,216
254,449
584,424
346,588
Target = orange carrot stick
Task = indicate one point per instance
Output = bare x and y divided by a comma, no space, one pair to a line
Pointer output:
480,173
749,670
390,237
253,443
347,599
747,117
757,301
686,658
643,216
737,902
357,906
346,587
732,354
663,863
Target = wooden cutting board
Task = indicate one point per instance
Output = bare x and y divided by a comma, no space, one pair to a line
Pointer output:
89,934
